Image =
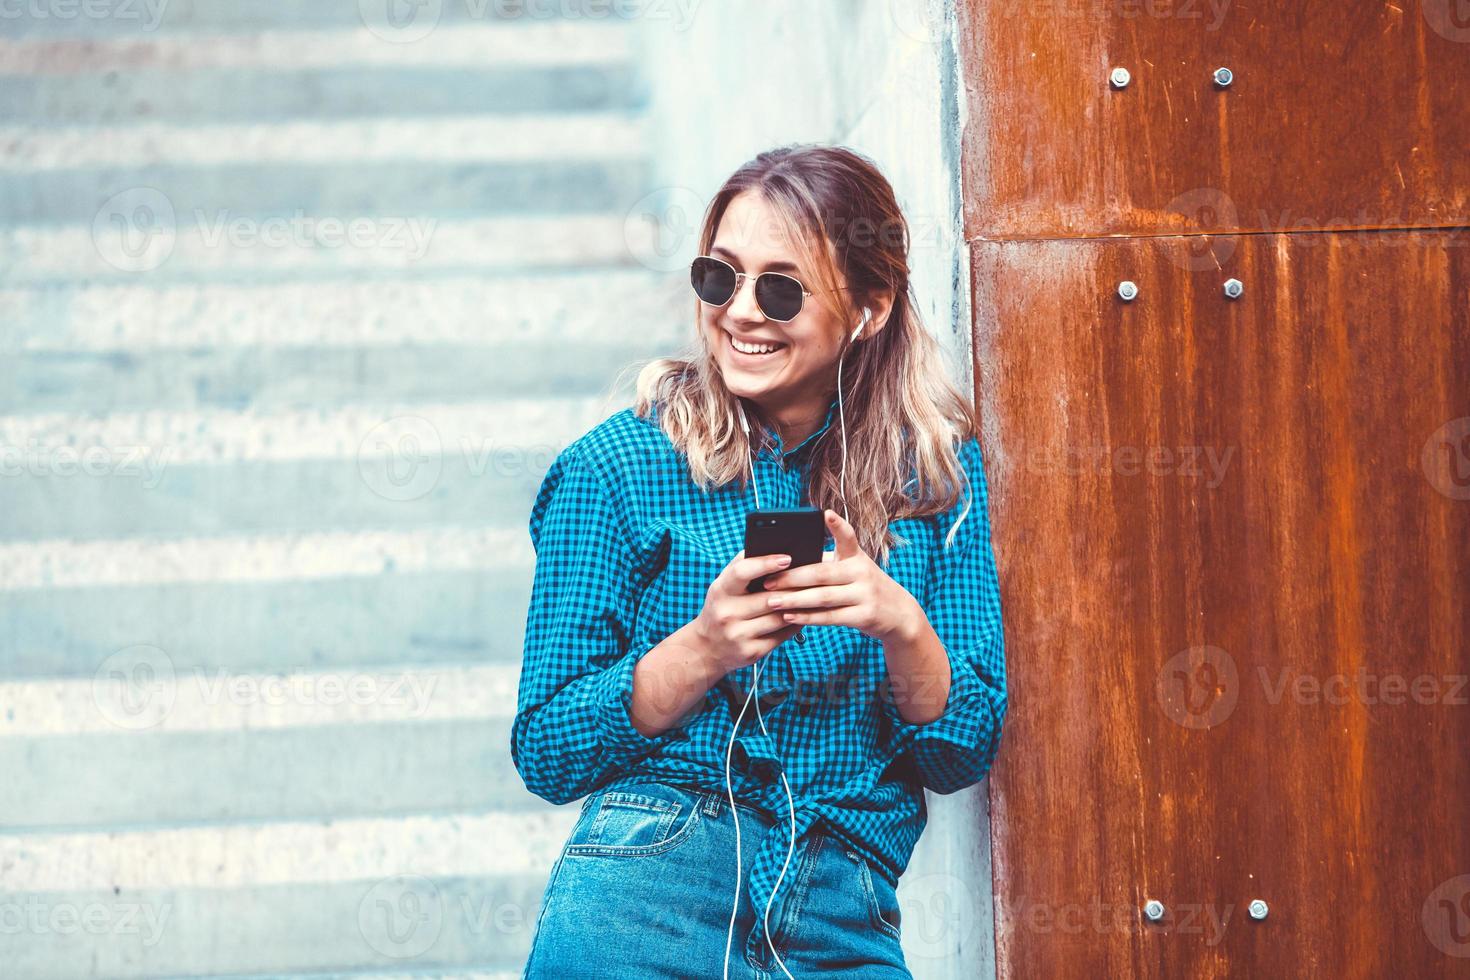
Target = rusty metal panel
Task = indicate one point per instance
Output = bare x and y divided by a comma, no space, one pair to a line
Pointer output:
1339,114
1213,517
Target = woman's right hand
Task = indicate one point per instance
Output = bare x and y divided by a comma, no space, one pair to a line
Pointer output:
737,627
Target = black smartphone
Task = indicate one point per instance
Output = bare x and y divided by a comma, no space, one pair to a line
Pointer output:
800,533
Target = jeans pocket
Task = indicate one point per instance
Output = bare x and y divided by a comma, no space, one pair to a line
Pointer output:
883,911
631,823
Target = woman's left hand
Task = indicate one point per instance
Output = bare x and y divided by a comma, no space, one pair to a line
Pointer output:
846,588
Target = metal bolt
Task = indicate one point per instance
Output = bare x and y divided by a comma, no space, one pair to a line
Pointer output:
1120,78
1153,909
1223,77
1257,909
1233,288
1127,291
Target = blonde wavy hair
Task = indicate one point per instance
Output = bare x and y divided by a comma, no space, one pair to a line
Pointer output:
905,418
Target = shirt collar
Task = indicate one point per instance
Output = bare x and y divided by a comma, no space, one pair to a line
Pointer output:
778,451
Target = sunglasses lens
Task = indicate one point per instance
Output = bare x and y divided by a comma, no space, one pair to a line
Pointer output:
779,296
713,281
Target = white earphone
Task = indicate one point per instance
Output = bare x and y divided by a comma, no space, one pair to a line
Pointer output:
755,688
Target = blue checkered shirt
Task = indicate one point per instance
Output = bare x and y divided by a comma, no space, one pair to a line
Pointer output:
627,545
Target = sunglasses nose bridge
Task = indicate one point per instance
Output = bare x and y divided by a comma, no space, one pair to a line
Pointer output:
741,278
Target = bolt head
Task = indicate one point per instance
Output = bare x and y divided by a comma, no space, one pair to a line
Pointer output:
1120,77
1257,909
1127,291
1223,77
1153,909
1234,288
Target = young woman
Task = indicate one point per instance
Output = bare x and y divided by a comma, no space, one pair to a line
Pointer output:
714,840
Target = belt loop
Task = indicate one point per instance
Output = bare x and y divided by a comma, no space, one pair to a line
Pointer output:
712,803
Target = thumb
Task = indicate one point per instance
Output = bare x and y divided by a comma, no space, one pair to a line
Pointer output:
843,534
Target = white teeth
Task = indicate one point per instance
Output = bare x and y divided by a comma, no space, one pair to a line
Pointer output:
753,348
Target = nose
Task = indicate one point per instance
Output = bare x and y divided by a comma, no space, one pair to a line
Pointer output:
743,306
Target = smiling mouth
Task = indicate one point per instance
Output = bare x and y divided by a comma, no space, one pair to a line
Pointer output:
756,351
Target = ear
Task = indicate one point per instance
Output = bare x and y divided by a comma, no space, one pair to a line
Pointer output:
881,303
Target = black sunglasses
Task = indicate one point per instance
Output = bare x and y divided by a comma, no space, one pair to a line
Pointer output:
779,296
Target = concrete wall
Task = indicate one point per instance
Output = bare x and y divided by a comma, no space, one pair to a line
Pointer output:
727,80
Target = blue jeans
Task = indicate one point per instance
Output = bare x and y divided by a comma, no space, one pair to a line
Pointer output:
645,882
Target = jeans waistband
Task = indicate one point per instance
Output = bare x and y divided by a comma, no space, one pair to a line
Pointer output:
713,802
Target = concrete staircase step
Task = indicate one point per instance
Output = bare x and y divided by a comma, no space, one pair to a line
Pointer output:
231,194
345,432
330,772
564,308
148,19
45,382
438,925
469,615
145,743
63,564
488,484
261,95
483,138
436,891
139,232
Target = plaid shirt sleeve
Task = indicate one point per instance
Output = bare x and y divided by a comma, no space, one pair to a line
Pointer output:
572,728
956,749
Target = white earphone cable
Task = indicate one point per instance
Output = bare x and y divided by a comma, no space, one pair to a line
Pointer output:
754,693
790,849
735,815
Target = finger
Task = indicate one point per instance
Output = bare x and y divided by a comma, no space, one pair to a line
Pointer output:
766,625
816,617
826,597
805,576
743,571
749,607
843,533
